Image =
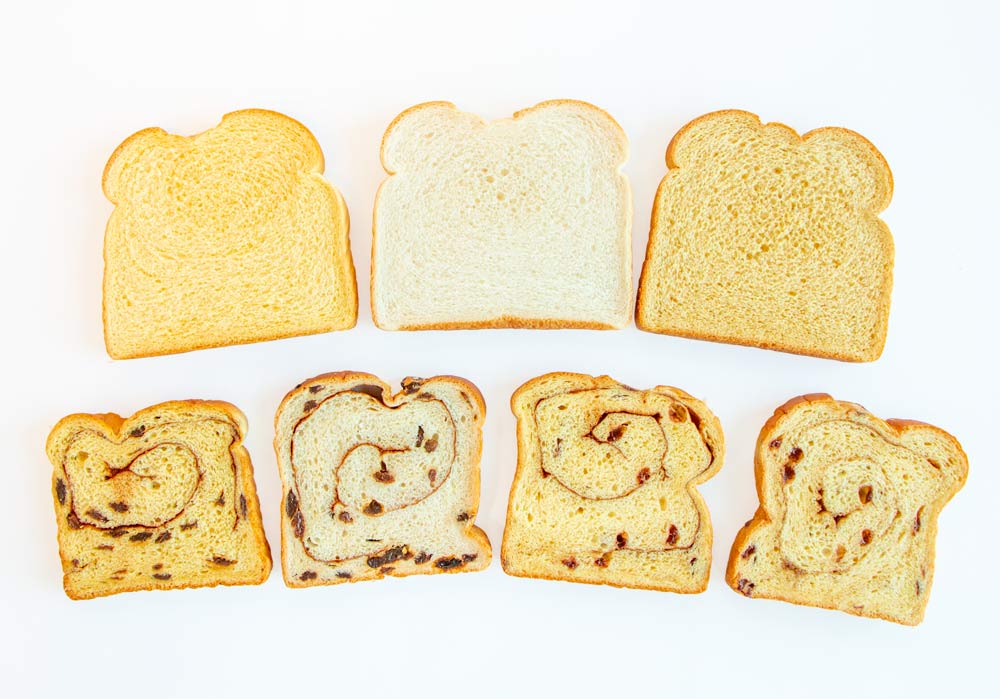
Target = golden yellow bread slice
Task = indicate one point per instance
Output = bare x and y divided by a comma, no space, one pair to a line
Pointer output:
226,237
848,510
605,485
763,237
378,484
523,222
161,500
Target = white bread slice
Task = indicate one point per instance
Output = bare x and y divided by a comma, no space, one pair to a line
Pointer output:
762,237
523,222
226,237
161,500
377,484
605,485
848,510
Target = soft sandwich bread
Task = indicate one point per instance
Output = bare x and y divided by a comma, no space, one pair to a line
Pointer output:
762,237
522,222
848,510
164,499
378,484
605,485
226,237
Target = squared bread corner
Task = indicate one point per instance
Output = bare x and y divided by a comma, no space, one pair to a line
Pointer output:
848,511
763,237
521,222
605,487
161,500
376,484
226,237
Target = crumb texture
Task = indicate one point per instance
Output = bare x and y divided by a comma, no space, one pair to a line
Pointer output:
605,485
226,237
520,222
376,484
762,237
848,512
163,499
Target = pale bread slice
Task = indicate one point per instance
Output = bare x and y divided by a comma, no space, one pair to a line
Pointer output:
848,510
161,500
522,222
605,485
377,484
230,236
762,237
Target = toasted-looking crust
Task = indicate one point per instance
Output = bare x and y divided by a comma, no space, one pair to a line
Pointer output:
264,210
605,487
419,495
849,509
504,319
199,525
779,274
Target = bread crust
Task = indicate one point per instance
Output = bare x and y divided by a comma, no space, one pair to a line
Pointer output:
118,428
777,345
390,399
761,516
345,258
505,321
714,427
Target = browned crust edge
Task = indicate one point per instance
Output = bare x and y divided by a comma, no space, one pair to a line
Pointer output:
477,535
118,427
605,381
760,516
505,321
886,292
349,272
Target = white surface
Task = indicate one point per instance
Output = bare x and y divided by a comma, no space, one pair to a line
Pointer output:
919,82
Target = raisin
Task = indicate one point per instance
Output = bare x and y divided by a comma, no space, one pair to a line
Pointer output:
678,413
243,504
422,557
118,506
788,473
383,475
61,491
158,566
162,576
558,448
308,575
621,540
138,431
469,557
118,532
316,388
387,556
745,587
385,570
462,517
432,475
673,535
420,435
105,547
431,444
141,536
749,551
369,389
602,561
374,508
866,537
221,500
775,443
570,562
96,514
616,434
164,536
448,563
795,455
189,525
344,575
309,406
345,517
642,476
73,521
291,504
412,386
693,561
222,561
299,524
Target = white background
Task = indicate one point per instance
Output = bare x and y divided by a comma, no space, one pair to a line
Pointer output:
920,82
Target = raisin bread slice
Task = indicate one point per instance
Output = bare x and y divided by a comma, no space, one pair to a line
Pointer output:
378,484
163,499
848,510
605,485
763,237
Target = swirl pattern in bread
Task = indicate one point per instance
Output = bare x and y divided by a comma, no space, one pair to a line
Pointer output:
605,484
163,499
848,513
377,484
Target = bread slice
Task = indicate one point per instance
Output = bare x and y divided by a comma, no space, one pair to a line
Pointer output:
377,484
517,223
161,500
848,510
227,237
762,237
605,485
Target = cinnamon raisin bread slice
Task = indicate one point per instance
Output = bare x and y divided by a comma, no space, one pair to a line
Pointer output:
163,499
848,510
378,484
605,485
